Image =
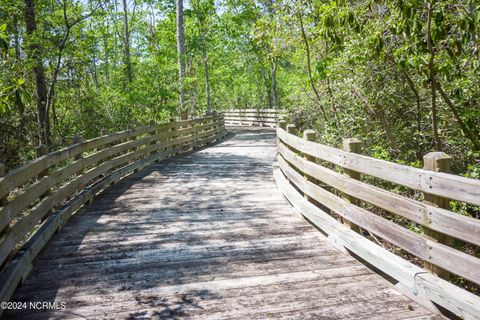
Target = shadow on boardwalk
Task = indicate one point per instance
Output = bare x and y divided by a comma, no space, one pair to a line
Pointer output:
205,235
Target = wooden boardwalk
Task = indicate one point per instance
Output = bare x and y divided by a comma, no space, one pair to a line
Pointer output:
205,236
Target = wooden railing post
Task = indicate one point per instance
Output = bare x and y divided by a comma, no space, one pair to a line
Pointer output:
42,150
172,122
352,145
439,162
105,132
3,201
282,124
291,128
309,135
154,132
77,139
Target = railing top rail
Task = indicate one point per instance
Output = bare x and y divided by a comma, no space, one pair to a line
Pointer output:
438,183
360,205
53,189
21,175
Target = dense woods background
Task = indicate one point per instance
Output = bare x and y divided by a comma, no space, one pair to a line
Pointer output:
403,75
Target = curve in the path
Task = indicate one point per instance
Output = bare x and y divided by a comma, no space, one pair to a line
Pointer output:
208,236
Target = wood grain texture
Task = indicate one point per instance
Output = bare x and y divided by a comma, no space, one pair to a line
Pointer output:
21,175
453,260
253,117
208,236
419,282
441,184
438,219
23,226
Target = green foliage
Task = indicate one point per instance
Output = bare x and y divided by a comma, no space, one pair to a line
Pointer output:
369,60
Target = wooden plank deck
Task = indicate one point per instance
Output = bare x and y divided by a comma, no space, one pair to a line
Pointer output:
205,236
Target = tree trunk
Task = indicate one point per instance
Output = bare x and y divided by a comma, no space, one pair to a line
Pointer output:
107,59
470,134
418,131
273,72
128,60
40,81
309,68
204,57
181,54
17,39
431,69
207,84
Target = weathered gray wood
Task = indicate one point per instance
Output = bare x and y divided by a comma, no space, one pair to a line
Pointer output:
12,235
437,162
453,224
19,176
249,257
419,281
352,145
42,150
253,110
446,257
256,119
252,117
42,187
309,135
292,129
3,200
436,183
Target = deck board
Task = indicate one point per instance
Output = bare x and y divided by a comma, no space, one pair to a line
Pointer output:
205,236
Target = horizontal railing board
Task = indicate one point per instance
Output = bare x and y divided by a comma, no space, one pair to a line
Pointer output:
437,183
14,271
251,123
26,223
251,115
445,221
23,200
254,110
21,175
271,120
418,280
446,257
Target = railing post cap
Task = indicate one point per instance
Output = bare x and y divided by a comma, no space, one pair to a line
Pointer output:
437,155
104,131
437,161
291,128
77,138
41,150
351,141
309,133
152,122
352,145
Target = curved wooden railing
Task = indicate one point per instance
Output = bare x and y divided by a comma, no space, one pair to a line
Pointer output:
305,178
47,191
253,117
